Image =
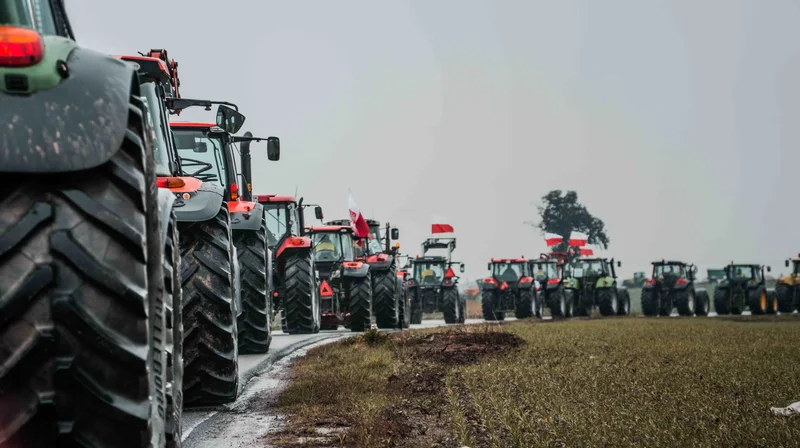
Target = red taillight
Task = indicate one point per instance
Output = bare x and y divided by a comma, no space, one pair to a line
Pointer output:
275,294
20,47
681,282
352,264
553,281
170,182
410,283
297,241
234,192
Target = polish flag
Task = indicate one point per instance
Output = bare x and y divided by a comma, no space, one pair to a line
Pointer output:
585,251
441,228
552,239
578,239
356,218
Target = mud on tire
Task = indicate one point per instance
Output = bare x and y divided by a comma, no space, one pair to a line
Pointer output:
359,293
254,323
80,260
384,296
210,341
300,292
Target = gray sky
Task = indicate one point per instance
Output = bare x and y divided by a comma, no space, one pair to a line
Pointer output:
675,121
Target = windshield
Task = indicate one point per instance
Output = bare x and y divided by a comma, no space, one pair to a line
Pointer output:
153,105
542,271
327,247
739,272
201,155
509,271
34,14
583,268
277,222
430,273
667,269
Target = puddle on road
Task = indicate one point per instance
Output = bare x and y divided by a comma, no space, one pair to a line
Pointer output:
251,418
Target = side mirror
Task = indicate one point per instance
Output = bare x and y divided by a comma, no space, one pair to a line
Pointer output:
619,264
395,233
786,263
489,266
273,148
462,268
228,119
769,268
201,147
318,212
694,269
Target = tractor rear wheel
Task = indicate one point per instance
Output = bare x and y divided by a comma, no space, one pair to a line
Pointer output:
450,305
384,296
79,323
665,303
721,302
487,306
783,293
772,302
403,311
558,302
701,303
685,302
300,292
462,309
758,301
624,302
524,307
416,307
649,302
254,322
607,301
359,295
174,337
210,344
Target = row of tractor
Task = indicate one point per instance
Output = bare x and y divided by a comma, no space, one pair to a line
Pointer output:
564,282
136,261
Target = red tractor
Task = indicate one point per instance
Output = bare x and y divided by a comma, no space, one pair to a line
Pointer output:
345,283
295,288
509,288
389,295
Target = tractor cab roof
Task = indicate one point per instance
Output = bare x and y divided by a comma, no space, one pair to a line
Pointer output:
151,68
372,222
329,229
663,262
429,259
274,198
509,260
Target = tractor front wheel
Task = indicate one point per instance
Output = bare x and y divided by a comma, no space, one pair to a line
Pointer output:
624,302
487,306
783,293
558,302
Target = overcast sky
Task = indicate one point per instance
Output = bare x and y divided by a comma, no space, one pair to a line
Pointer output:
675,121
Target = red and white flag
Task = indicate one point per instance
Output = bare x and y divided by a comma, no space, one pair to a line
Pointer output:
441,228
585,252
356,218
552,239
578,239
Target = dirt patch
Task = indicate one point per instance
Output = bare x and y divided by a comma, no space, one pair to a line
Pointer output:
455,347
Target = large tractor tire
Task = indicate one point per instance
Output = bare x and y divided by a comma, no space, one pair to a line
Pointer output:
685,302
450,305
665,304
607,301
384,296
784,294
702,304
81,327
524,307
254,321
404,308
416,308
759,301
739,301
301,313
584,303
558,302
462,309
650,304
624,308
210,341
360,294
489,314
174,336
772,302
721,302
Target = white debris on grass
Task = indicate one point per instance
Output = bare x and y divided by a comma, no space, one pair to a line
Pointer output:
789,411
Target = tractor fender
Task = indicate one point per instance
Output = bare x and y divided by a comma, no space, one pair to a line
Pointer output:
647,287
77,125
165,201
360,270
380,262
294,243
525,285
245,215
789,280
605,282
202,205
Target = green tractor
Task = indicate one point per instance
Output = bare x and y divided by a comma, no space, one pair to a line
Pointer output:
743,287
636,282
672,286
83,237
787,290
593,282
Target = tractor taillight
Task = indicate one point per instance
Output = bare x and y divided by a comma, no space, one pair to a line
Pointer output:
20,47
234,191
410,283
296,241
170,182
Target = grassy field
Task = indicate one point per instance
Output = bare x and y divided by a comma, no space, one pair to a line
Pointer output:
582,382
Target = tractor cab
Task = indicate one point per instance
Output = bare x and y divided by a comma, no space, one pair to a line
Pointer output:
745,275
545,269
429,272
744,287
586,268
283,217
509,271
331,246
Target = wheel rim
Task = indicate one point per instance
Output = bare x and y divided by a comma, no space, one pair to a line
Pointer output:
691,302
614,304
563,305
763,301
775,304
